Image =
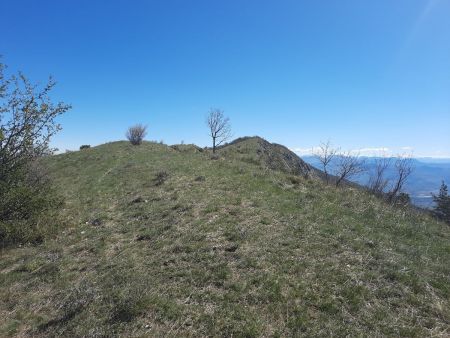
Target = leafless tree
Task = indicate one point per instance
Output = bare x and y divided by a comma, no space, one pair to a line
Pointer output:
403,168
378,180
219,127
325,154
136,134
348,165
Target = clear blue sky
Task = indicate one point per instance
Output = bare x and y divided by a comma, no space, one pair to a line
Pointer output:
363,73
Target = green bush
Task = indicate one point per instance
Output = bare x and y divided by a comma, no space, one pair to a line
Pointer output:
28,121
28,207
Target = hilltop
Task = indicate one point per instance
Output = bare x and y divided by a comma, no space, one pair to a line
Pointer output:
268,155
172,241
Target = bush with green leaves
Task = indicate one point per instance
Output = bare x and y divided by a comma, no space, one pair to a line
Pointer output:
27,123
28,207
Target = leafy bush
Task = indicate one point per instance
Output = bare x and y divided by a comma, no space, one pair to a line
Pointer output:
27,123
85,146
136,134
28,207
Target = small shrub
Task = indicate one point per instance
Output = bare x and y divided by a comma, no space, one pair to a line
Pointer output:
136,134
138,199
161,177
295,180
85,146
402,200
28,206
95,222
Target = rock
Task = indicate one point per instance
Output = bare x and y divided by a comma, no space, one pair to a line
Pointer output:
137,200
95,222
231,248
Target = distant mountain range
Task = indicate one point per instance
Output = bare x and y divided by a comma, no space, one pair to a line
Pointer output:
424,181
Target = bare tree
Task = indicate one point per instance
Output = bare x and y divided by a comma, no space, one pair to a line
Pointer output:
219,127
136,134
348,165
378,180
325,155
403,168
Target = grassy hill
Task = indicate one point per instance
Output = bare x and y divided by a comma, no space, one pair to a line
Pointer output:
170,241
268,155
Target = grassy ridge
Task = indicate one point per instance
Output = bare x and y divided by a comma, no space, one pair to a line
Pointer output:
166,242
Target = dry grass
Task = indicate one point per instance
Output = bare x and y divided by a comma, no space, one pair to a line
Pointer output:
243,251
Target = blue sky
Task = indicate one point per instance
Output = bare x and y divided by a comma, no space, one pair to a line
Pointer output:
364,74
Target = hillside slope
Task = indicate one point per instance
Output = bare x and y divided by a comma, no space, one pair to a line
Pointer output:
268,155
165,242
